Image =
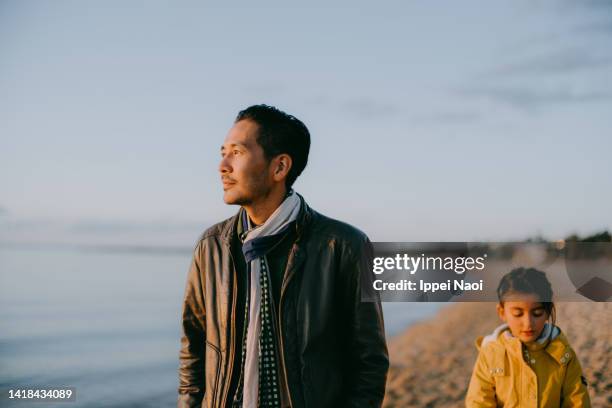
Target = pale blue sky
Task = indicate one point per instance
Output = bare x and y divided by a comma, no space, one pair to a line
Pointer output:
452,120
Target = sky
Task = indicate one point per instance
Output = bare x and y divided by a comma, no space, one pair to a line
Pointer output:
445,121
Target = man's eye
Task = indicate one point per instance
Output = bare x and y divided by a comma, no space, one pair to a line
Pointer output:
236,152
538,313
517,314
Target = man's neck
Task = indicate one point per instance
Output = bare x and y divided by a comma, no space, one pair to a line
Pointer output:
262,210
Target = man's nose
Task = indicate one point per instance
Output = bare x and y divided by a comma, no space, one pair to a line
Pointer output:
224,166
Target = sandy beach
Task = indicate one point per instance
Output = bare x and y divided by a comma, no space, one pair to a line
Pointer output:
431,362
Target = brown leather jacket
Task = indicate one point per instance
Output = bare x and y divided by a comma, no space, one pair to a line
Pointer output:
333,345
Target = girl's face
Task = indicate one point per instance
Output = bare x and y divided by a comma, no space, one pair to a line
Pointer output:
524,314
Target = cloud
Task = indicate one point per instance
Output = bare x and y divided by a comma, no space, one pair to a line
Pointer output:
597,28
366,108
448,118
566,64
598,4
529,98
265,89
561,62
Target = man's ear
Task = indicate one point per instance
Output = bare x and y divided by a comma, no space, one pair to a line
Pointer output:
281,166
500,312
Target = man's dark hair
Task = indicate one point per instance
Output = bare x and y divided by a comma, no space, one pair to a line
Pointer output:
278,133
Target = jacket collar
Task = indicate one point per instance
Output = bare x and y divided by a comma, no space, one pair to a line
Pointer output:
558,348
304,218
482,341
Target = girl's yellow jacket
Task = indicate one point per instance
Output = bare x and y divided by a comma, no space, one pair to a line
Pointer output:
510,374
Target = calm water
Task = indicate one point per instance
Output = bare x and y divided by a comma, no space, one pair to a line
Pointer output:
105,323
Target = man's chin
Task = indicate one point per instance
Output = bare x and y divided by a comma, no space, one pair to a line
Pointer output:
228,200
232,199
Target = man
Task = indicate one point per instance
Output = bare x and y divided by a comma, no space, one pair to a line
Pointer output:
272,314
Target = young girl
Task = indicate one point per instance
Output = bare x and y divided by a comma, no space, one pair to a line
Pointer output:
527,361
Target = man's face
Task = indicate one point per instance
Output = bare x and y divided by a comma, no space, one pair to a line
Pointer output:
245,172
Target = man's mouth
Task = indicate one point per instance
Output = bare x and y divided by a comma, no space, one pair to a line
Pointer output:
528,332
227,184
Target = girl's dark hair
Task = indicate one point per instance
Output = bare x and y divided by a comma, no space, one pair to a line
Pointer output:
528,281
